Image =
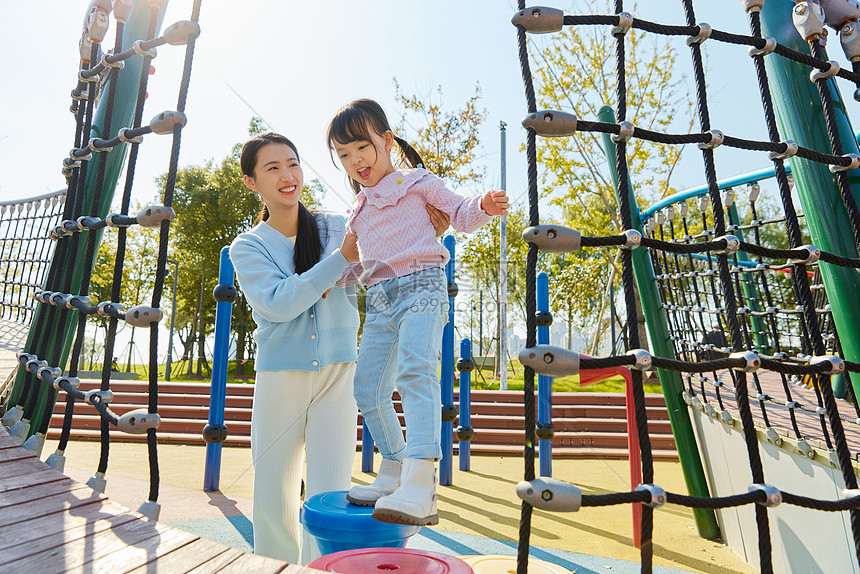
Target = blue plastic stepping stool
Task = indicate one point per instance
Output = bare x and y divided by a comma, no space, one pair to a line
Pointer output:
339,525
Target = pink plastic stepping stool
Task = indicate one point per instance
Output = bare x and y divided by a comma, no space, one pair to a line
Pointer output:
401,560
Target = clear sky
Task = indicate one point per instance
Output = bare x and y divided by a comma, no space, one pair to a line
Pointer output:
296,62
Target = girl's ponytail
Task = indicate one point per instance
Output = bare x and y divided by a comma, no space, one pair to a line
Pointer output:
408,155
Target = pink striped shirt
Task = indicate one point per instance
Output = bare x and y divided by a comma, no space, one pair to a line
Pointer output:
395,236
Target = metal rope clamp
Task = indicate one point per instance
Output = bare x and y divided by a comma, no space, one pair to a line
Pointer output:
837,365
99,145
34,365
808,18
773,495
102,309
105,397
79,158
74,382
625,22
790,151
733,244
553,238
539,20
125,139
727,417
643,359
817,74
855,163
752,362
813,255
71,301
753,191
550,360
550,494
140,51
728,197
658,495
716,140
551,123
753,5
633,239
704,33
119,64
49,374
769,46
115,220
804,448
625,132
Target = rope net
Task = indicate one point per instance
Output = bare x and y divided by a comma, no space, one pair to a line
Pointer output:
25,251
68,226
749,325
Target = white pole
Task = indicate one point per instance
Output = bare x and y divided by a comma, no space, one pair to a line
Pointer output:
503,279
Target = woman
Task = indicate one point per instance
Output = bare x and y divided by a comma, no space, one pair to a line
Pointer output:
287,267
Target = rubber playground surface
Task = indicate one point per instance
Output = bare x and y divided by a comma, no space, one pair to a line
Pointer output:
479,513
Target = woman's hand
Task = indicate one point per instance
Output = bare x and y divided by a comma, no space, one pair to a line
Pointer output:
494,203
440,220
349,247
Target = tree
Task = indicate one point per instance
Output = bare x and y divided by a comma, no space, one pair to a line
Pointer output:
447,140
576,73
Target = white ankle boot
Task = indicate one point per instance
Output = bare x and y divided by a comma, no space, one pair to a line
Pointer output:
387,481
414,502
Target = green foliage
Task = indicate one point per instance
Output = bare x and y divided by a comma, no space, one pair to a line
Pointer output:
447,140
480,257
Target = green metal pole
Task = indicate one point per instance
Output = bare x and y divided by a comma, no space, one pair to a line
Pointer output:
128,81
658,332
800,116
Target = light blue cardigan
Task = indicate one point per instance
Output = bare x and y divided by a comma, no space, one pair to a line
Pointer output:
296,328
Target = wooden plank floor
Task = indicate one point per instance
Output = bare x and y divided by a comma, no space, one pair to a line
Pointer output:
52,524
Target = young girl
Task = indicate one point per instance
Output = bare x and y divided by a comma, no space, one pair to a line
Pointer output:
402,264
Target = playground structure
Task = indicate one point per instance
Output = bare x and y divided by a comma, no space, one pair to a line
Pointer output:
715,310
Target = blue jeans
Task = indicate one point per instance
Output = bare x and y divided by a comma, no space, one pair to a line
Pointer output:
402,336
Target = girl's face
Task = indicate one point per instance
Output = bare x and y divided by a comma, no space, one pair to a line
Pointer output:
367,162
278,177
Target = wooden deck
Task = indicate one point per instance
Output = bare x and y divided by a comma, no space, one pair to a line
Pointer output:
50,523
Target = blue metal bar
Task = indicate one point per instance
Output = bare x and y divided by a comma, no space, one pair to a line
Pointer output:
734,181
544,382
446,472
218,393
366,448
465,444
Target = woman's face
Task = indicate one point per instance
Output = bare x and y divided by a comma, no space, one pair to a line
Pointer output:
278,176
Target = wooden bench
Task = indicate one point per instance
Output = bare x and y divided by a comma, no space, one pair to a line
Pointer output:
50,523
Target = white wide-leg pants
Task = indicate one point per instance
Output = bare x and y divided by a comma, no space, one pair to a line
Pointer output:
298,415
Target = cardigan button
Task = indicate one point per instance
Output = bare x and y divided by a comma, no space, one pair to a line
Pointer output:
316,364
313,336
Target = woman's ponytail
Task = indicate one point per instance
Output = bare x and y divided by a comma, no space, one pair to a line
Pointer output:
308,249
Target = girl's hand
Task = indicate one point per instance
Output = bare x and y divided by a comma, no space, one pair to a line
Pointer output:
349,247
494,203
440,220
